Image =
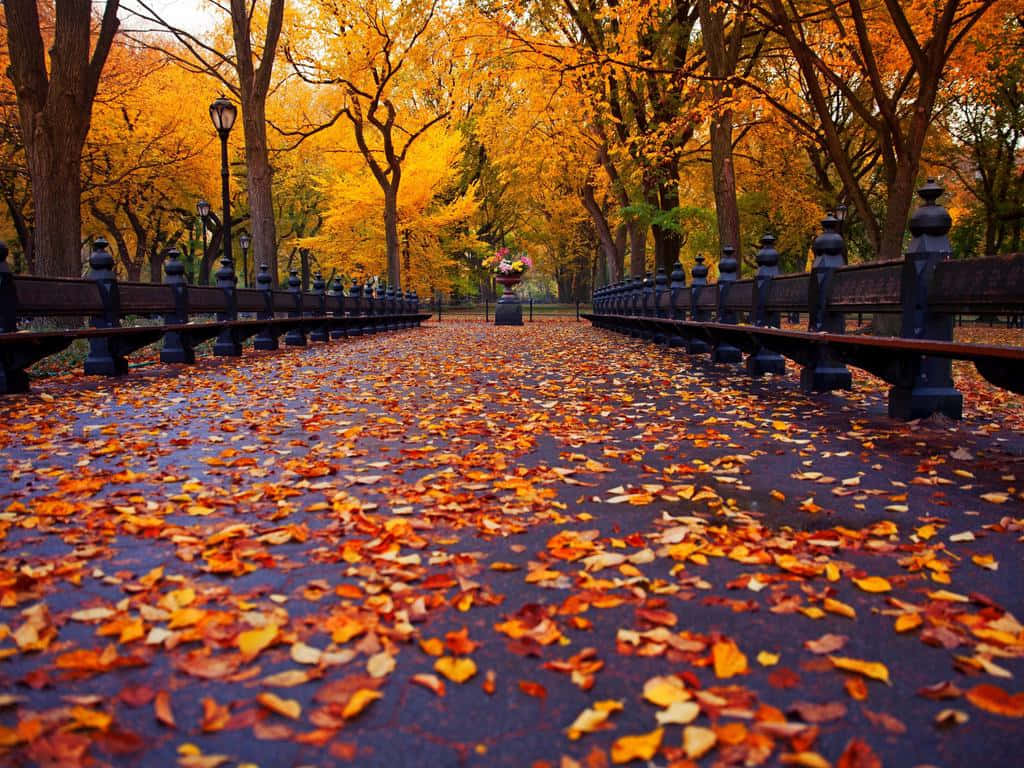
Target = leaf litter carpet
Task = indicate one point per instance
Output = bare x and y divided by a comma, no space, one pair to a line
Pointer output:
468,545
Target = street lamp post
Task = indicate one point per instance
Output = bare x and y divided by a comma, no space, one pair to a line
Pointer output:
244,240
203,209
223,114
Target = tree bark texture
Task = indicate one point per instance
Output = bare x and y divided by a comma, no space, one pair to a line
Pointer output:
55,110
253,86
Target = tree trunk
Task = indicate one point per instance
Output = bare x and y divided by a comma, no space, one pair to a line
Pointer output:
304,268
897,211
621,244
55,108
394,255
637,247
604,234
668,241
260,181
726,207
26,237
57,196
156,264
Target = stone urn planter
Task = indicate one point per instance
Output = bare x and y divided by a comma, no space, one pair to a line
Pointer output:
509,310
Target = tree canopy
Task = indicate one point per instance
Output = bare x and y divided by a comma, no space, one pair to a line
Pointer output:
410,140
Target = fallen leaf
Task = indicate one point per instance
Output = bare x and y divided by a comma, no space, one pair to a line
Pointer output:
827,643
873,584
698,741
359,701
639,747
678,713
994,699
162,709
456,670
873,669
252,641
728,660
286,707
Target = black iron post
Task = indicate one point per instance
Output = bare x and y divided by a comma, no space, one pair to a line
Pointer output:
267,337
661,296
677,296
296,336
228,343
203,209
925,383
177,347
824,372
727,269
337,303
699,280
764,360
105,358
244,240
319,332
355,293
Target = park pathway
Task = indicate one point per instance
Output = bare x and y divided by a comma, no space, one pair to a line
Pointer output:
465,545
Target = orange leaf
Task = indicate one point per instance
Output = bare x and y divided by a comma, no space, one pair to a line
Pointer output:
286,707
533,689
728,659
162,709
640,747
456,670
994,699
873,584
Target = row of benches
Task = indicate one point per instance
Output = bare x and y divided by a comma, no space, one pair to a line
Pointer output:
327,312
923,292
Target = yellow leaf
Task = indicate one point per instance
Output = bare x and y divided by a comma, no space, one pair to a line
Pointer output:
456,670
286,707
873,584
950,597
252,641
985,561
835,606
996,498
907,622
873,669
804,759
360,700
185,617
678,713
766,659
640,747
664,691
832,572
587,721
698,741
729,661
91,718
380,664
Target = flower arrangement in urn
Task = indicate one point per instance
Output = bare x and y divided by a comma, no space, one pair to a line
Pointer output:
504,264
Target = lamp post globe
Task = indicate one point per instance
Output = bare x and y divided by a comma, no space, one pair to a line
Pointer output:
223,114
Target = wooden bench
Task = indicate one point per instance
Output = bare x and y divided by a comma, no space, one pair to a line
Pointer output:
322,314
925,291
